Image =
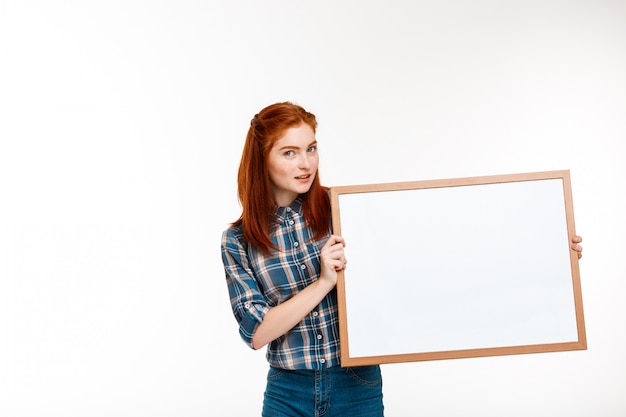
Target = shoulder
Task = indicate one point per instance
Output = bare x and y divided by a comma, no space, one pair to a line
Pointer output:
234,247
233,234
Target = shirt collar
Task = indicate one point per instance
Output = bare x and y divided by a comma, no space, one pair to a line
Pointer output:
295,207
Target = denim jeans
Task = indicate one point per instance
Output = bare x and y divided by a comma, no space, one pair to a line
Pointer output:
332,392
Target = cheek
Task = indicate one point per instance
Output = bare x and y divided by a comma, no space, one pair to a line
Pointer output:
277,172
274,175
315,161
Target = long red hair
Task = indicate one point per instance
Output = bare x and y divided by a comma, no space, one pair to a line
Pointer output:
253,182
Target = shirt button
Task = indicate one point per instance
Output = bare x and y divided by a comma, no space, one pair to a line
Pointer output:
295,244
288,208
319,336
302,266
291,222
247,305
322,360
315,314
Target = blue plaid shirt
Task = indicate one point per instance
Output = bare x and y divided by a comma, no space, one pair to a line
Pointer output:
257,283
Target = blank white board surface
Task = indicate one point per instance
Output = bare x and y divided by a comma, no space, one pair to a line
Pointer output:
458,268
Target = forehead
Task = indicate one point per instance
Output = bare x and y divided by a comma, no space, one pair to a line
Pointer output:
297,136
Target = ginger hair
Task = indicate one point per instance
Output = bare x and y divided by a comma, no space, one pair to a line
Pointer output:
254,191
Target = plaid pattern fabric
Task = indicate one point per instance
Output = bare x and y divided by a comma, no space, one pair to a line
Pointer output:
257,282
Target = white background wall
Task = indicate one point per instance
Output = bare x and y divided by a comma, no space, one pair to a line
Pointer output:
121,128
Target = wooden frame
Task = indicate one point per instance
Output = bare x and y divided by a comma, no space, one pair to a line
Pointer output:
458,268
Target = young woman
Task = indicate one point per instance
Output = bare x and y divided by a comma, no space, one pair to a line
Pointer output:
281,262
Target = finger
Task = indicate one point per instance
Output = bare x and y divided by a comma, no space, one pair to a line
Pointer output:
334,251
334,248
341,265
335,239
577,239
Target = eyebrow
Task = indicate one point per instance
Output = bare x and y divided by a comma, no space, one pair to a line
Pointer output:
296,147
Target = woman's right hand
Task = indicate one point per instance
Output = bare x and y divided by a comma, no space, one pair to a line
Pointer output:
283,317
332,259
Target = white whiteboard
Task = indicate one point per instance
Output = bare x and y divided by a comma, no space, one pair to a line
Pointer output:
458,268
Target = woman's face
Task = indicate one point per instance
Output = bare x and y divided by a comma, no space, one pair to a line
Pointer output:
293,162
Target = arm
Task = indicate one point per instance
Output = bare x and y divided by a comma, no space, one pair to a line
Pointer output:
282,318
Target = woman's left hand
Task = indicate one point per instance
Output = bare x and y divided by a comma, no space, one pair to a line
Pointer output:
576,246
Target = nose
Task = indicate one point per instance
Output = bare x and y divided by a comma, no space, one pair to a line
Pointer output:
304,162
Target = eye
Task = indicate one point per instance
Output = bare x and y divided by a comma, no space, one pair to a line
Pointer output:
312,149
289,153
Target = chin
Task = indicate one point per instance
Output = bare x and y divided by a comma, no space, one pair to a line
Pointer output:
307,187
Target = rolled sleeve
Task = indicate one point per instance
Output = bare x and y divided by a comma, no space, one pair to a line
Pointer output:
250,317
248,304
